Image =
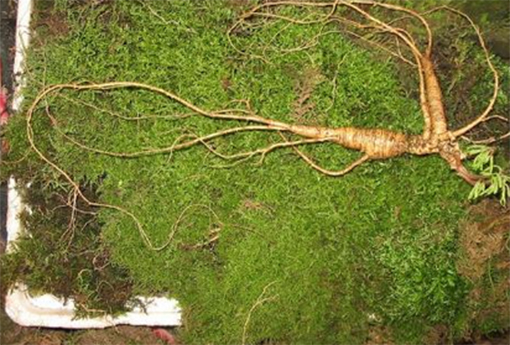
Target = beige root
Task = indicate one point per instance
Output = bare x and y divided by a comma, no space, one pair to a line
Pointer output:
436,138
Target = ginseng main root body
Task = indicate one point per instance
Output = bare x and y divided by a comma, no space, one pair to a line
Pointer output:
376,143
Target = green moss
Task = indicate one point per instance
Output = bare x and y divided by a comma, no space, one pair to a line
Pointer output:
377,246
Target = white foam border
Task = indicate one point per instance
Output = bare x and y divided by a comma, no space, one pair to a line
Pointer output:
22,40
48,310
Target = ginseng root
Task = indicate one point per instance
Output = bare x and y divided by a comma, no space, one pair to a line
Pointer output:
373,143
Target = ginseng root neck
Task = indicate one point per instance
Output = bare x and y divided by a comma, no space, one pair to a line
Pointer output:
447,148
417,145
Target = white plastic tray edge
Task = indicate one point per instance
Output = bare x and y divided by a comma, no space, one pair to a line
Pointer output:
47,310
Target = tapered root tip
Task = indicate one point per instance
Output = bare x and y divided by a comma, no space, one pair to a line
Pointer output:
467,175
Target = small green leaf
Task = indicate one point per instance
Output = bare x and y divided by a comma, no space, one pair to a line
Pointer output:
483,163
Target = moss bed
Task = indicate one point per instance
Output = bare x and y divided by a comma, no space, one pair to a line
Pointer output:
378,255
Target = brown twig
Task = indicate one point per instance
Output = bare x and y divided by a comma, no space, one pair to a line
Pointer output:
257,304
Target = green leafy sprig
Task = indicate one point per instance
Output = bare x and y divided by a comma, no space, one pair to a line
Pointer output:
496,181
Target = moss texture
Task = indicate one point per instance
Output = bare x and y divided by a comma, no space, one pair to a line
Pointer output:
337,257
